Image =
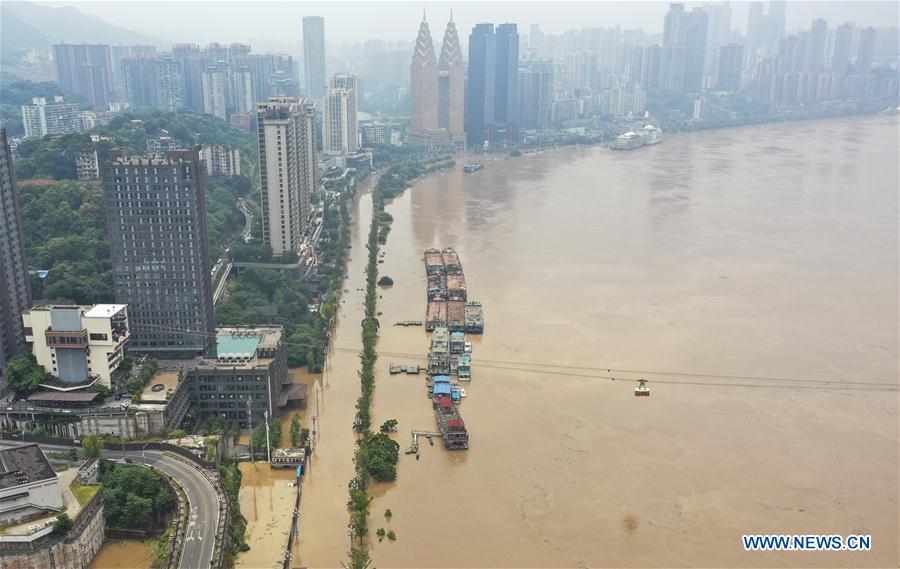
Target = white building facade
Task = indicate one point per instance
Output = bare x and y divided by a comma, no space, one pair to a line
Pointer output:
221,160
79,345
288,169
42,118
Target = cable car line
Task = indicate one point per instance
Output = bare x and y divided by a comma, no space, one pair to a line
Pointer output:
790,383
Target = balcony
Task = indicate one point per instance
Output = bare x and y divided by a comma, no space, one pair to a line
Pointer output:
66,339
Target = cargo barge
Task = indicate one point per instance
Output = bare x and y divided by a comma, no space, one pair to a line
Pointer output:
474,318
456,315
449,316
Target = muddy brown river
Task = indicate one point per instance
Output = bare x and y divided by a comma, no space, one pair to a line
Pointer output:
764,252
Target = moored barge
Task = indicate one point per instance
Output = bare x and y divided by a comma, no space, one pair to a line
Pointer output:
474,318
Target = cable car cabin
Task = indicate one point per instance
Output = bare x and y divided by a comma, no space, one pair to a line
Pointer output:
642,390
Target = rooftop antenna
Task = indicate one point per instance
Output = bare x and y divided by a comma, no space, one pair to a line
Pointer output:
423,14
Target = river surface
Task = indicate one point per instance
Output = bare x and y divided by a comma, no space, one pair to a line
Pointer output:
763,252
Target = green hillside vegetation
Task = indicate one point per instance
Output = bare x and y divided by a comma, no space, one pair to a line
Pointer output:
223,219
65,231
54,157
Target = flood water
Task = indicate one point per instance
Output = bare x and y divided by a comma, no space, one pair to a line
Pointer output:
122,554
267,497
763,252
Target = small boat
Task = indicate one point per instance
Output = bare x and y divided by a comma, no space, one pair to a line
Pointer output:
472,167
462,392
468,348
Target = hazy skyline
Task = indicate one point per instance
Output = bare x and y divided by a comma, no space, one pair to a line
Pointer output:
204,21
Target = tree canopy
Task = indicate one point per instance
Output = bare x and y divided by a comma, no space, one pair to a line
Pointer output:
135,497
24,375
65,231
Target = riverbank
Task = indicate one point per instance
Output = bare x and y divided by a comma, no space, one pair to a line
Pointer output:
584,141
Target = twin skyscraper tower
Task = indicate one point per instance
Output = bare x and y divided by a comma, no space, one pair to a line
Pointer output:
437,91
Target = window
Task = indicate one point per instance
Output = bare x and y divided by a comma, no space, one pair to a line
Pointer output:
99,337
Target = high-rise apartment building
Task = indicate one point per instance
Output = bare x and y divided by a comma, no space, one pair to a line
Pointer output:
153,81
215,91
15,292
273,75
314,56
287,169
85,70
339,126
866,54
683,49
730,62
756,34
815,47
840,55
492,82
719,29
227,90
139,80
120,52
221,160
535,94
41,118
193,62
169,83
156,219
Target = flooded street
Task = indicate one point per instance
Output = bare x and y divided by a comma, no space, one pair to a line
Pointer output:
758,253
267,497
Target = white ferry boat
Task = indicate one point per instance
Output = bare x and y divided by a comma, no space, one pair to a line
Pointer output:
630,140
651,135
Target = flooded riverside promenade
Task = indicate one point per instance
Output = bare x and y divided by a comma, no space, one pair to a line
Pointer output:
761,254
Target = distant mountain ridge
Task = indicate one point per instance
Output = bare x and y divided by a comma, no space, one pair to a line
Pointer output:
25,26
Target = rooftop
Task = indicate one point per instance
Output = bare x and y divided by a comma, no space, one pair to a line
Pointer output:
23,465
244,346
59,396
104,310
167,378
267,337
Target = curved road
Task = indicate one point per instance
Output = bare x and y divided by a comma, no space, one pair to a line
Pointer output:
203,519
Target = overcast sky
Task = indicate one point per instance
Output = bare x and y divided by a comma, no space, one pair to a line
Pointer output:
206,21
